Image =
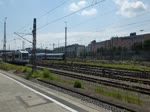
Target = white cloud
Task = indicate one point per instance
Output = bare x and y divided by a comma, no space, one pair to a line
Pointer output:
74,7
90,12
81,4
130,8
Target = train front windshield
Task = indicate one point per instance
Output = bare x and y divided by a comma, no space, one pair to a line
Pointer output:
25,55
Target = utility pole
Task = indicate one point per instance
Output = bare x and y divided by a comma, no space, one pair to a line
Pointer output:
4,47
23,45
53,46
34,46
65,41
58,47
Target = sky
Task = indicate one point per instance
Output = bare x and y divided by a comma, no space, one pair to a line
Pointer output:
86,20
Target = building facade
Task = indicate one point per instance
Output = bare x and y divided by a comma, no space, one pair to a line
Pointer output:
124,42
73,51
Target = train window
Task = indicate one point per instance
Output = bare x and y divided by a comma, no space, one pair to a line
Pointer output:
16,55
25,55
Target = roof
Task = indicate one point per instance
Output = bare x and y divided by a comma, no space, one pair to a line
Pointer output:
22,51
55,54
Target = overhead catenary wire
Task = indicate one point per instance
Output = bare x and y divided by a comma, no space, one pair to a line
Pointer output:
92,39
70,14
48,12
130,24
116,26
125,25
84,22
79,25
121,26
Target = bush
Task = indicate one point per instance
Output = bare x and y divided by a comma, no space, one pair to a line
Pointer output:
37,74
2,67
53,77
28,74
24,69
77,84
46,73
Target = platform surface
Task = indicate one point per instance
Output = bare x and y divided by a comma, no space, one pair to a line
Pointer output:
16,96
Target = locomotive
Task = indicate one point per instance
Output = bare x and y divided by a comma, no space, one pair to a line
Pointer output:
16,57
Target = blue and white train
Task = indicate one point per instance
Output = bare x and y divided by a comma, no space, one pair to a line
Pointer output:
50,56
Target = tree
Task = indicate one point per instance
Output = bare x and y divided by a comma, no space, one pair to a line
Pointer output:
114,49
124,49
119,48
146,45
137,46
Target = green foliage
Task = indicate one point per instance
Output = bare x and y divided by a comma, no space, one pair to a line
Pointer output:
77,84
119,48
37,74
2,67
19,68
146,45
118,95
137,46
46,73
141,46
11,66
28,74
100,50
53,77
24,69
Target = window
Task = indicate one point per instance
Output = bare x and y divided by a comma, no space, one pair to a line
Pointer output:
25,56
16,55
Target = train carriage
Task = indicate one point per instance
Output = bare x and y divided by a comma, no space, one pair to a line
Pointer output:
18,57
49,56
55,56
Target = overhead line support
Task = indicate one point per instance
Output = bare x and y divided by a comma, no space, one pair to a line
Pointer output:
34,46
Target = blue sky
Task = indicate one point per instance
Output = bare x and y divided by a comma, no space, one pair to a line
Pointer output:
99,22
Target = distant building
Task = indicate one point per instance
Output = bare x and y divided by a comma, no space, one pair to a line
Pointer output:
72,50
38,50
92,46
124,42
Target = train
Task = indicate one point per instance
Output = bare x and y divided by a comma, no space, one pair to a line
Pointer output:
16,57
23,57
49,56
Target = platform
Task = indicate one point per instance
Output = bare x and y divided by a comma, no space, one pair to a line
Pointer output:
20,95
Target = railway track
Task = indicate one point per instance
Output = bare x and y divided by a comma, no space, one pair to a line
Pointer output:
113,104
124,75
111,83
